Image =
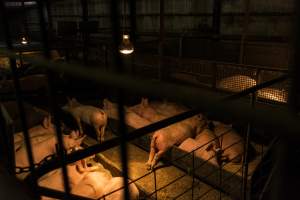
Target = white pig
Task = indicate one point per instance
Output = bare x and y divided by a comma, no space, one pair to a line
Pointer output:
163,139
76,173
206,144
231,143
131,118
46,148
99,183
36,134
91,115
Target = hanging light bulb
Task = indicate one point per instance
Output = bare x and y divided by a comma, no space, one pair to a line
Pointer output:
126,47
24,41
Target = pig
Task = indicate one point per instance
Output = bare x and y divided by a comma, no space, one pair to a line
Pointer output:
231,143
47,147
96,184
168,108
145,110
36,133
207,146
116,183
91,115
76,173
131,118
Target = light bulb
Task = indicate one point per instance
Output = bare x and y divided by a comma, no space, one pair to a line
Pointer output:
24,41
126,46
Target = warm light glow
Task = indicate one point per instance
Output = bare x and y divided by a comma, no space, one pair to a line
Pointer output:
126,46
24,41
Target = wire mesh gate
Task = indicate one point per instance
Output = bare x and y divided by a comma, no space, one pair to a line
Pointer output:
62,159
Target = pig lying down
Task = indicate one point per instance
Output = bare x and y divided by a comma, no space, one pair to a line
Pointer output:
91,115
89,181
36,134
231,143
41,150
205,146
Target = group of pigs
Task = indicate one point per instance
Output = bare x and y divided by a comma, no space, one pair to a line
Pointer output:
86,179
210,140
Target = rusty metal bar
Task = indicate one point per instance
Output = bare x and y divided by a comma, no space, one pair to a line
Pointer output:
52,100
19,97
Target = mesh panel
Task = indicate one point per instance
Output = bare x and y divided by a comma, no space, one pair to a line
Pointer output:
235,78
277,92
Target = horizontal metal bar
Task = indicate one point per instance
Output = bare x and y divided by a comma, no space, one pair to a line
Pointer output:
225,14
60,194
257,87
265,115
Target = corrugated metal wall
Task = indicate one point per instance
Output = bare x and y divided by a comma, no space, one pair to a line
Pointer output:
177,12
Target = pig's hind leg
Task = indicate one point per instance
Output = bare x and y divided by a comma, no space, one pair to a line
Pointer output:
152,152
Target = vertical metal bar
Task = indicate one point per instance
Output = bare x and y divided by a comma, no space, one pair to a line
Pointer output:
220,179
7,141
19,96
216,22
294,70
215,74
52,99
155,183
133,29
245,156
161,39
49,15
193,174
25,19
85,34
245,29
114,8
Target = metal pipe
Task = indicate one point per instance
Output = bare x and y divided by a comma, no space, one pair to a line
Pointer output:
245,30
52,100
114,5
217,12
161,39
272,117
19,97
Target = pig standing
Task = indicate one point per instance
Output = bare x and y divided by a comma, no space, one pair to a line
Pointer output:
231,143
206,144
36,134
163,139
91,115
46,148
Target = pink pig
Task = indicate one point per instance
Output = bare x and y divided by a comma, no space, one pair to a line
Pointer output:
76,173
36,134
231,143
91,115
46,148
206,144
163,139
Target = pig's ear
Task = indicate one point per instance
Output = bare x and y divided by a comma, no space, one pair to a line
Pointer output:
79,141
